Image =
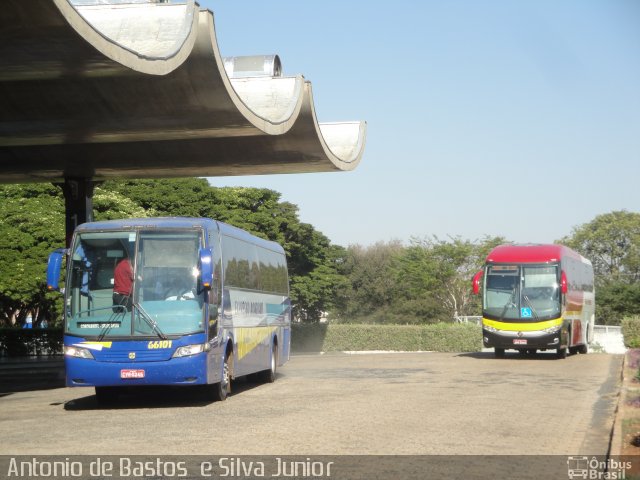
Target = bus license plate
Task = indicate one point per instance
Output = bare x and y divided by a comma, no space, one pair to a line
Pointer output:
127,374
519,341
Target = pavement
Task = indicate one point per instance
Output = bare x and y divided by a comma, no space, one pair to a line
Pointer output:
336,404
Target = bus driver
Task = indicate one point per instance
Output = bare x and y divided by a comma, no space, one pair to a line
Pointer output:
123,283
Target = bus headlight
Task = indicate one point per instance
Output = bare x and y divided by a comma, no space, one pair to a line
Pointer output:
489,328
555,329
189,350
78,352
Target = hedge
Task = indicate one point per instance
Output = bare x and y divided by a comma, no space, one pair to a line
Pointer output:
631,331
440,337
305,338
16,342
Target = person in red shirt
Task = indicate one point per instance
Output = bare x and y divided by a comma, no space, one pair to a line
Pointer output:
123,284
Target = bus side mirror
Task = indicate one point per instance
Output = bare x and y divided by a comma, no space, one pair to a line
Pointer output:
564,287
54,266
477,278
206,267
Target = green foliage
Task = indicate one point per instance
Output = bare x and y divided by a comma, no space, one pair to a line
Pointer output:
347,337
442,270
111,205
612,243
312,260
256,210
426,282
32,225
615,300
16,342
631,331
370,289
316,337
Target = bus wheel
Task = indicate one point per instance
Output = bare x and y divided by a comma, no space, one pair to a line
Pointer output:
269,375
222,389
106,395
499,352
584,348
573,350
561,353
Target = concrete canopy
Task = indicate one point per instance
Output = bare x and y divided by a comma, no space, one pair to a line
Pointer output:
97,89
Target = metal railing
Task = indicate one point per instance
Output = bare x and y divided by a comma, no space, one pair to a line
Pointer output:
477,319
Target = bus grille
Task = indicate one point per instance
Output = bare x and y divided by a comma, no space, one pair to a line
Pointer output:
138,356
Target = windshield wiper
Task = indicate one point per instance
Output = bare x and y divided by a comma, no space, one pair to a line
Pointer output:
150,321
509,303
113,320
533,310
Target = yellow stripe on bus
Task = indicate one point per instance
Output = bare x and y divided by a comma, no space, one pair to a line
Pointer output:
248,338
97,344
522,327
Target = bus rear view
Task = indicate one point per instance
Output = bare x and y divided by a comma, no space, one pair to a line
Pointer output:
536,297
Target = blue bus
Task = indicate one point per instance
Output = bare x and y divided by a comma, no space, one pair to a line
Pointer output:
171,301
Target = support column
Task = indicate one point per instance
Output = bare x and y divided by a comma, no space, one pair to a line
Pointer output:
78,203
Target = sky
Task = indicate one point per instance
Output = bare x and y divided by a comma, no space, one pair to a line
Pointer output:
484,118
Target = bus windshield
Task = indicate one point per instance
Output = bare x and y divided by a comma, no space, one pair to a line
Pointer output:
135,284
522,292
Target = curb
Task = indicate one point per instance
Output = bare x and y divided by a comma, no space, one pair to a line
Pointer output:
615,443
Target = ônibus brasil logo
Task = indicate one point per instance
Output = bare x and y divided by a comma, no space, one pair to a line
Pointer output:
597,469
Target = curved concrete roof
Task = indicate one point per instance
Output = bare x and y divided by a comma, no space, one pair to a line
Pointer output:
112,88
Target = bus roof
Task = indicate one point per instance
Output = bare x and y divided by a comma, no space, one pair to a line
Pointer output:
532,253
150,222
179,222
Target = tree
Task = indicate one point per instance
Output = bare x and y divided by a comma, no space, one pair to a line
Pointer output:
369,289
32,224
616,300
456,262
441,271
111,205
312,266
426,282
612,242
31,227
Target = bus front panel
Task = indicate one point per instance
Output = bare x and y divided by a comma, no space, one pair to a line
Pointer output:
134,363
521,307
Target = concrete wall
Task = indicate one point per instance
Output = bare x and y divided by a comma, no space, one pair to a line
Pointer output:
609,338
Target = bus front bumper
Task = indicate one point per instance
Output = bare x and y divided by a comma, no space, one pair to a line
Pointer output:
176,371
518,340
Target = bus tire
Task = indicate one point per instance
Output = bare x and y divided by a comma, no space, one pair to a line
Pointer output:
499,352
106,395
222,389
573,350
561,353
584,348
269,375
